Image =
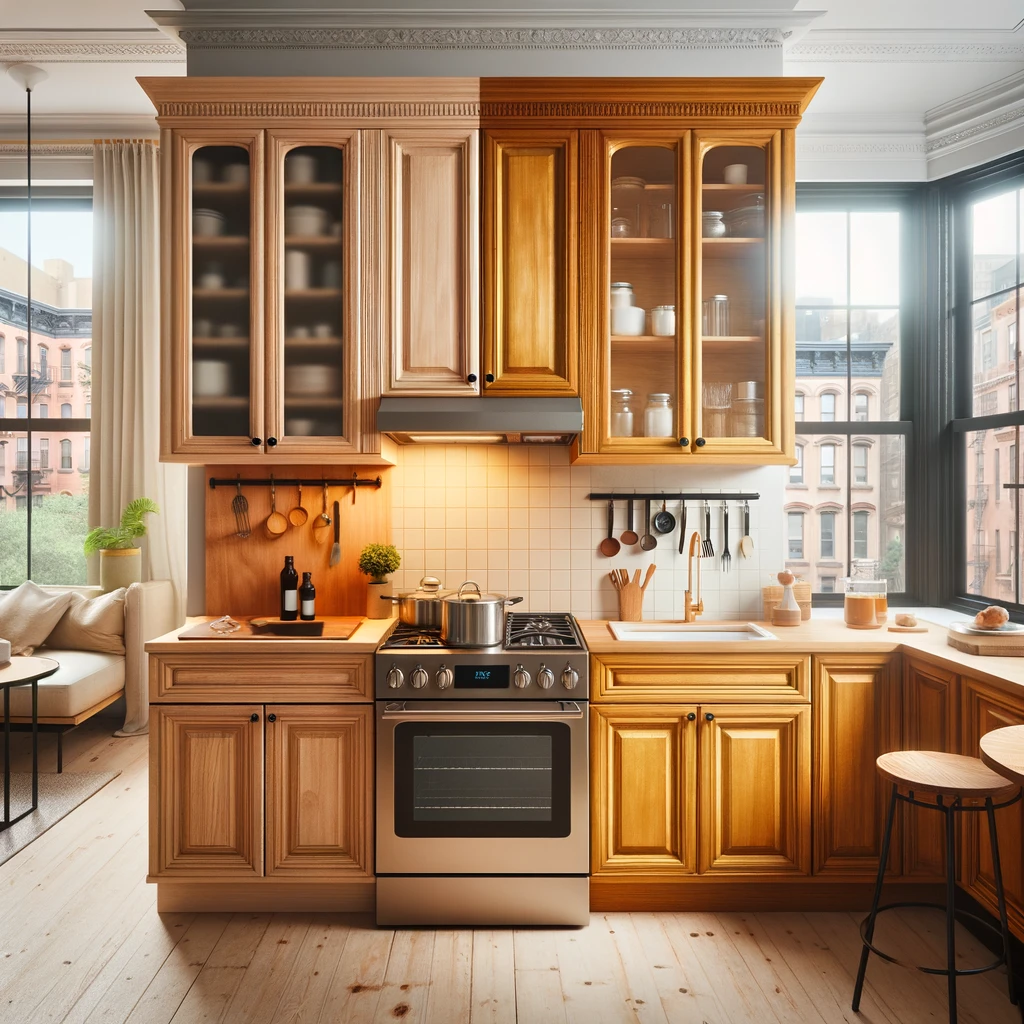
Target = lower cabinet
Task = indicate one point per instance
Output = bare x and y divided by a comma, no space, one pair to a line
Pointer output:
242,791
752,764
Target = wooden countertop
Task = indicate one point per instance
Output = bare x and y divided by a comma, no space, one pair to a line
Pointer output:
827,636
365,640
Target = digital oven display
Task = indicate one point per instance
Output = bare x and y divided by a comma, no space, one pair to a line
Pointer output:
481,677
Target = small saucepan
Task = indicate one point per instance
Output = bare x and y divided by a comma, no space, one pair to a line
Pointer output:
420,607
664,521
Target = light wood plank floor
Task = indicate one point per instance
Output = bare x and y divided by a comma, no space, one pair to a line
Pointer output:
80,941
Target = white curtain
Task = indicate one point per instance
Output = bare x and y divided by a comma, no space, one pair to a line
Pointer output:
126,358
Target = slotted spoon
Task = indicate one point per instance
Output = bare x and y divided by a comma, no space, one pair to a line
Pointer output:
240,507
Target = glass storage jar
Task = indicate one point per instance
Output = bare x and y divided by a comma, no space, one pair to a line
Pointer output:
865,603
658,421
622,295
622,413
663,321
748,409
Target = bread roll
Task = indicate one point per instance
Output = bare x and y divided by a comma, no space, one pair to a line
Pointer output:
991,617
906,619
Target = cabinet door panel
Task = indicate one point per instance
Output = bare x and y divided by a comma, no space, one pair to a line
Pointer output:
985,709
856,718
433,242
531,261
644,768
319,790
206,791
755,775
929,713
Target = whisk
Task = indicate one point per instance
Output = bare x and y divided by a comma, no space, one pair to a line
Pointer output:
240,506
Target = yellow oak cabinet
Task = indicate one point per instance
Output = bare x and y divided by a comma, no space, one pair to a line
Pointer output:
644,783
531,257
755,789
984,708
930,716
856,703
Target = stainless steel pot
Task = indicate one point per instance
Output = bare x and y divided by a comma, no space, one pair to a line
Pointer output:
421,607
472,619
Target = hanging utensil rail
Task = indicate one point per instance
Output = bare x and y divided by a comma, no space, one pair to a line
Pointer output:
266,482
667,496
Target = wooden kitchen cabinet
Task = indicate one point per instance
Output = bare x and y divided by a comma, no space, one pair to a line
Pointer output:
531,255
856,703
644,785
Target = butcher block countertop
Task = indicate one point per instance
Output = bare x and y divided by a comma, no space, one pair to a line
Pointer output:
828,634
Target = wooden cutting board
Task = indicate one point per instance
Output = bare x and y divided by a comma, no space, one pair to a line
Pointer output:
1005,645
336,627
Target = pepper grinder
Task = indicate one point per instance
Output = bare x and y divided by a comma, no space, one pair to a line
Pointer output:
788,612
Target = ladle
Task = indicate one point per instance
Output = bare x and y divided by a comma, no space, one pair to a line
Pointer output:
648,541
629,535
609,547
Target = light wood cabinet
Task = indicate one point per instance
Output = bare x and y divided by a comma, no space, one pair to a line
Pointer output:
755,793
530,261
930,716
856,718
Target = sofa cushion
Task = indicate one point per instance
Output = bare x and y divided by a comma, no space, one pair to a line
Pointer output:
28,614
83,679
91,624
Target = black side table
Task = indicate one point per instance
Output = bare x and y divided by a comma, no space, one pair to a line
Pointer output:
22,672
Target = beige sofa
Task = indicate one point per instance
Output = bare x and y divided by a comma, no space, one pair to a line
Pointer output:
89,681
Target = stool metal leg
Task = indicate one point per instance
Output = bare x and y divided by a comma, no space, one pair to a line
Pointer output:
950,908
882,862
1000,896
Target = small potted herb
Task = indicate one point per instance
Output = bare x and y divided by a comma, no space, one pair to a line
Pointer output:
378,561
120,557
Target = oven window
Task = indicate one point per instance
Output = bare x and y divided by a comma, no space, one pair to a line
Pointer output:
482,779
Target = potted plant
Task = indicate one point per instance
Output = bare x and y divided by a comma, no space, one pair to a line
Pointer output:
377,561
120,558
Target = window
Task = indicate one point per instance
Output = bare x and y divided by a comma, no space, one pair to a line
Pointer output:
796,472
979,466
43,492
85,455
796,535
860,465
828,584
828,535
998,470
849,338
999,555
860,534
1011,393
1011,342
988,350
827,465
798,401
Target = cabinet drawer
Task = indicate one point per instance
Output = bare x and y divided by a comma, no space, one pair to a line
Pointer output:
693,678
293,679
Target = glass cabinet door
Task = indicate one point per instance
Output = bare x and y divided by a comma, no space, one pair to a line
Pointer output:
312,225
644,401
737,277
223,388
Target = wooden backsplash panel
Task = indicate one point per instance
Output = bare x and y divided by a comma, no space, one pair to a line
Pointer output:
243,575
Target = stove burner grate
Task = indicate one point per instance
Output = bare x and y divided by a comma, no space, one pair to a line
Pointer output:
535,629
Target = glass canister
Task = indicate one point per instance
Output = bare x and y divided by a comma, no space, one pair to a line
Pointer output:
624,222
622,413
658,421
748,409
622,295
865,603
663,321
719,316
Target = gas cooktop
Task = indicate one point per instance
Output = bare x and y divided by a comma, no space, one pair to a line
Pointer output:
522,630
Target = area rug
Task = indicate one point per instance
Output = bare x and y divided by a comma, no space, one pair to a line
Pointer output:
59,795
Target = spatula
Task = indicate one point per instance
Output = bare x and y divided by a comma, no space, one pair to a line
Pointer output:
336,547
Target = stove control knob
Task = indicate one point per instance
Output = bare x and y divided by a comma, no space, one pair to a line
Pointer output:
545,678
443,678
419,677
570,677
395,677
521,677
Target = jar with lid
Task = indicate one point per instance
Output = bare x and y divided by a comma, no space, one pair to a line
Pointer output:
658,419
622,295
711,224
748,409
663,321
622,413
624,222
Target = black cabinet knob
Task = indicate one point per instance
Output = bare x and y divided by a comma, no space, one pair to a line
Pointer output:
489,377
271,717
254,717
271,442
690,717
256,441
709,717
684,442
471,378
701,442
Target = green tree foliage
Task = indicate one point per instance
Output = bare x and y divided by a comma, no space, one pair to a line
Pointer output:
59,526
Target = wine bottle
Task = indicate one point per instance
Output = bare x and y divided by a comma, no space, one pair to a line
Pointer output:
289,589
307,597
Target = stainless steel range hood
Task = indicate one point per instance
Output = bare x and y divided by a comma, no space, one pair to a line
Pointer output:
480,420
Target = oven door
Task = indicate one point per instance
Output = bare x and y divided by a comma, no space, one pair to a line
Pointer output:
482,788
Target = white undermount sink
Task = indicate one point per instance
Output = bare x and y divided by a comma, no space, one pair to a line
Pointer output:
692,632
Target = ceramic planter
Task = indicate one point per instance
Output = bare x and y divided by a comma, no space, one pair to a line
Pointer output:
375,607
120,567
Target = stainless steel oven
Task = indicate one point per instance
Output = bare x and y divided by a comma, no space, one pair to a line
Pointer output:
482,788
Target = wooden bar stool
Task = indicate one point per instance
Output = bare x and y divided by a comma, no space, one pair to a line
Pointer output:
952,778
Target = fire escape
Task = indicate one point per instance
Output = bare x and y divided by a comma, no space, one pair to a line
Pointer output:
978,563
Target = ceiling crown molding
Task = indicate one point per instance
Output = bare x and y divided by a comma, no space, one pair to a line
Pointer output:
984,114
937,46
102,46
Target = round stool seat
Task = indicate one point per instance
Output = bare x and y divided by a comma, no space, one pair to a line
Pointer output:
955,775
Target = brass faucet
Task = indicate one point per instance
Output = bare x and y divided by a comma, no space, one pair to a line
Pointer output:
693,608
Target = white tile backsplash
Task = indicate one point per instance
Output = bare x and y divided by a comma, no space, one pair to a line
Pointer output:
517,520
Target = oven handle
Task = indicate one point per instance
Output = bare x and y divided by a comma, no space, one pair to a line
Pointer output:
397,710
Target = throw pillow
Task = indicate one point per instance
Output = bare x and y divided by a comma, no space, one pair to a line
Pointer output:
91,624
28,615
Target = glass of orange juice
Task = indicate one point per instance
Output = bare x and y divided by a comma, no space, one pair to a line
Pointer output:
866,604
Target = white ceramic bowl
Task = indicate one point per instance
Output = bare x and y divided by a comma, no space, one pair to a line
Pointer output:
300,169
208,223
628,320
311,379
305,220
211,378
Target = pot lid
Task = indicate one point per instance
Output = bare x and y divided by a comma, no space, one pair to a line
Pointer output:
430,589
470,593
